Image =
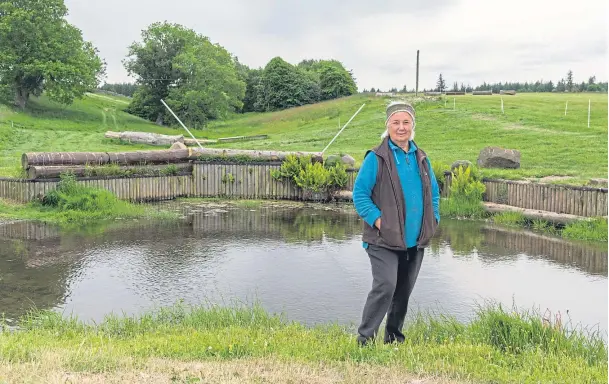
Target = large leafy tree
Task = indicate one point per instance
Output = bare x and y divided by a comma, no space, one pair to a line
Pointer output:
41,52
197,79
334,80
284,86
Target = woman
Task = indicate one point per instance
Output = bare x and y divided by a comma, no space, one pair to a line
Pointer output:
397,196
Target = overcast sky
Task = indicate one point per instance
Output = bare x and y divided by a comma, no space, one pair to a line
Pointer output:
468,41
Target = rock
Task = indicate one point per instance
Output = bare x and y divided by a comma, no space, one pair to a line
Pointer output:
461,163
178,145
495,157
332,160
598,182
347,159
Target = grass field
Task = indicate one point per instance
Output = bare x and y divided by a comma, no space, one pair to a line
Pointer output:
550,142
230,344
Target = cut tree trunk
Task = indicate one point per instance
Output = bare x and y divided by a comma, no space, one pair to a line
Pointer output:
55,171
153,156
21,97
252,154
145,138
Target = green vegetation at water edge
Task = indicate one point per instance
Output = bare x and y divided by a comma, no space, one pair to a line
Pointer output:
498,345
73,204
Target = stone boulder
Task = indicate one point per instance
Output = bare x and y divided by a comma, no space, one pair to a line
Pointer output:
495,157
460,163
348,160
337,159
602,183
178,145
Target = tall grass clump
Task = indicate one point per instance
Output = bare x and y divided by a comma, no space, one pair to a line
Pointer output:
74,203
593,229
465,198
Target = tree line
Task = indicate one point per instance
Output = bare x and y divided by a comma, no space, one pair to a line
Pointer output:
566,84
199,79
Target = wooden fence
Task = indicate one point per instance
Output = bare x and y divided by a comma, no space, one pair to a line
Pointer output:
254,181
587,258
248,181
570,199
580,201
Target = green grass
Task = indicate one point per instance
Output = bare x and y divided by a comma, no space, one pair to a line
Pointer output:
73,205
595,229
497,345
550,143
512,219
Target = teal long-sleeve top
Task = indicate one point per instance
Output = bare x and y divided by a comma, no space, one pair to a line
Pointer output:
408,170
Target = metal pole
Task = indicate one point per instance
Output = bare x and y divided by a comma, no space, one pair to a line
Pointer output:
416,92
345,126
180,121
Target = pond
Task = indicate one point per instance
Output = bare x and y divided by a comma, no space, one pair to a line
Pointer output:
303,261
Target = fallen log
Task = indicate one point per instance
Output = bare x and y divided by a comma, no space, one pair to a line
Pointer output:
99,158
251,154
53,172
166,156
193,142
561,218
507,92
64,158
145,138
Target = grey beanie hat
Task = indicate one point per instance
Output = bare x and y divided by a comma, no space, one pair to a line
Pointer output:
399,106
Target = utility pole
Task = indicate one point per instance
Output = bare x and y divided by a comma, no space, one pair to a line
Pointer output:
417,88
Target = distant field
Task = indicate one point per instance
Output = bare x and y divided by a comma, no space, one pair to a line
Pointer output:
550,142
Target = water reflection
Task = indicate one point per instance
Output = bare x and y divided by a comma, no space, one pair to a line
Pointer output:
306,262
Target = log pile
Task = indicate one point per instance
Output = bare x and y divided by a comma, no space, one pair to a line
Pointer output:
54,172
507,92
485,93
52,164
158,139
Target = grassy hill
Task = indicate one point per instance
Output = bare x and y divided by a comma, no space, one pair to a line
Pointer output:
550,142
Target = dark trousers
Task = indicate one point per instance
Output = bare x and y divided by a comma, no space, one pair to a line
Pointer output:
394,274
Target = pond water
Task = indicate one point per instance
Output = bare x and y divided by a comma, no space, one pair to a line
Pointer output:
307,263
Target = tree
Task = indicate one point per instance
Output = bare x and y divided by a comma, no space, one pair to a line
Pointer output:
197,79
285,86
126,89
41,52
334,80
591,80
455,87
441,84
372,89
569,85
404,89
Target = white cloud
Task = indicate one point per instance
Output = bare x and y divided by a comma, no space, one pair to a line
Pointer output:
468,41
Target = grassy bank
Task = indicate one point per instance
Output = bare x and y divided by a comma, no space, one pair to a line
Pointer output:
594,229
72,204
533,123
499,346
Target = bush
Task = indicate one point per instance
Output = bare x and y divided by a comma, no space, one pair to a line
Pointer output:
312,177
466,183
77,203
438,169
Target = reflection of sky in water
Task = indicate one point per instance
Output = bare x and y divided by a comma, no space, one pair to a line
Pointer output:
325,282
313,281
